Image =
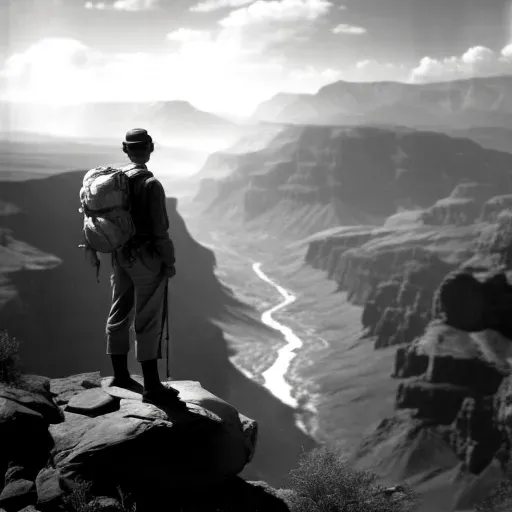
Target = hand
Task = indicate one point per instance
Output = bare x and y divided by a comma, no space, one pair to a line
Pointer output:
169,271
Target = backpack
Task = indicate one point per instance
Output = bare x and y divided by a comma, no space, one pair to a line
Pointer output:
105,199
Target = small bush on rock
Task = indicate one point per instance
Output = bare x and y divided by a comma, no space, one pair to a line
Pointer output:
9,359
324,482
81,499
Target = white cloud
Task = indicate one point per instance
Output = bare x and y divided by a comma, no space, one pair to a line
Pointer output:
95,5
214,5
252,32
263,24
211,73
124,5
375,71
289,11
315,77
476,61
188,35
354,30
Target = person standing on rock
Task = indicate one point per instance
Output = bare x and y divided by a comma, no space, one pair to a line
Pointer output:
141,266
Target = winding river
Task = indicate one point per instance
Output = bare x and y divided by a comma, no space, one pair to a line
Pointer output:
274,377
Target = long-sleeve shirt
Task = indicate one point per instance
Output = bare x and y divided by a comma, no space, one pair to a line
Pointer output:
155,200
149,214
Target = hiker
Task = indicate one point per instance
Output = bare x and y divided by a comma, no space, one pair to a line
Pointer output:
141,265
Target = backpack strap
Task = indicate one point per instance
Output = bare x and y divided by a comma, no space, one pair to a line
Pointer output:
132,170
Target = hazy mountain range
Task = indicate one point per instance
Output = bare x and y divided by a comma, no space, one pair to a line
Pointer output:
455,104
171,123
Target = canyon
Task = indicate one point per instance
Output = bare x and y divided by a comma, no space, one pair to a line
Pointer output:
390,246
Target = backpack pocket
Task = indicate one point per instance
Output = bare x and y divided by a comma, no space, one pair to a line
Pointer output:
109,232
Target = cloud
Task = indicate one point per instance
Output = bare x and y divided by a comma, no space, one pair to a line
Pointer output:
265,25
206,71
215,5
315,77
188,35
288,11
476,61
375,71
124,5
95,5
253,31
354,30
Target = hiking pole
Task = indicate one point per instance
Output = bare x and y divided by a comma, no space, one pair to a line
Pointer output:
166,312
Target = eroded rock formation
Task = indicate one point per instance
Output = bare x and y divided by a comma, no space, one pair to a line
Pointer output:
456,379
394,284
462,207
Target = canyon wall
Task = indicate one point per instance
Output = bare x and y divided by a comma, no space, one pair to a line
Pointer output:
439,291
360,174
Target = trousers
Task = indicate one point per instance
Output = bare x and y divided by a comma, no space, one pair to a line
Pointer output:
138,291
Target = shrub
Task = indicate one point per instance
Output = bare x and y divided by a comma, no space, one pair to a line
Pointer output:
324,482
81,499
9,359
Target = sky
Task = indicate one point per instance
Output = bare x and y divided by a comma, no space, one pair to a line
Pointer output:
229,55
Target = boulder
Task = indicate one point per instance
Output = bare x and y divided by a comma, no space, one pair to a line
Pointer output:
92,402
23,434
14,472
65,388
49,486
143,446
18,494
40,402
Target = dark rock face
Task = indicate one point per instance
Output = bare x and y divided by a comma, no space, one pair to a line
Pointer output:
460,299
408,363
436,402
477,436
475,374
472,305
